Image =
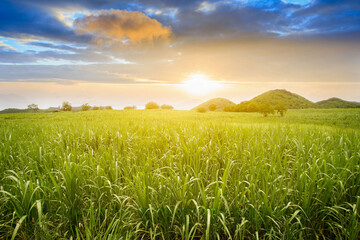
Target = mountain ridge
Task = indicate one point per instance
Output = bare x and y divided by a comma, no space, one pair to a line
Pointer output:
291,100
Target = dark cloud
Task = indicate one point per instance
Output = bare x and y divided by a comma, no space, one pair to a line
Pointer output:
321,19
256,18
124,4
58,47
26,20
331,19
225,21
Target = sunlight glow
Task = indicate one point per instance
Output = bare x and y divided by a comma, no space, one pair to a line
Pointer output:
200,84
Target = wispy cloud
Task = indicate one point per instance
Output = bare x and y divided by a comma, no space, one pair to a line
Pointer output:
6,46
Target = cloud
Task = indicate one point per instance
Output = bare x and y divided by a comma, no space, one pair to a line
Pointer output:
56,56
24,20
188,18
122,26
6,46
123,4
333,19
299,2
224,20
214,37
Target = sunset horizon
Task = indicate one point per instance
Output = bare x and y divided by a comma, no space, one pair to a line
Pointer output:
123,53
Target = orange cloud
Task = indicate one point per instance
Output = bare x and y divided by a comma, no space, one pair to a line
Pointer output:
118,25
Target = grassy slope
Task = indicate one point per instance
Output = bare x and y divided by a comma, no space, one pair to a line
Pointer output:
176,174
219,102
291,100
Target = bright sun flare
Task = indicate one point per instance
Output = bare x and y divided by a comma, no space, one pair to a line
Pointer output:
199,84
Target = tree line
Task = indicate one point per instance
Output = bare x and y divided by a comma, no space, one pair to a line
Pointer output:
263,108
152,105
66,106
246,106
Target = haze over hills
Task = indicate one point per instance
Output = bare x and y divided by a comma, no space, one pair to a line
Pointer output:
219,102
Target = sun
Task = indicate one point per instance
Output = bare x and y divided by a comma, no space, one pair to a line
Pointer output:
200,84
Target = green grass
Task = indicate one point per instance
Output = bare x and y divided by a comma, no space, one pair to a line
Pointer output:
180,175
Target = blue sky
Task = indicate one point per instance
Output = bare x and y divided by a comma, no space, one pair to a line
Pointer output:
145,49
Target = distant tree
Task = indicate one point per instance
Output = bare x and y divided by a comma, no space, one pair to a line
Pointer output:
108,108
101,108
168,107
212,107
33,107
130,108
281,109
201,109
151,105
252,107
229,108
85,107
95,108
266,109
66,106
242,107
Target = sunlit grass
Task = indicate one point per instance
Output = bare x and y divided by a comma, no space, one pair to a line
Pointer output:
180,175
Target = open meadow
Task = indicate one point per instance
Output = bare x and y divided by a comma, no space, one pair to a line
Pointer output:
162,174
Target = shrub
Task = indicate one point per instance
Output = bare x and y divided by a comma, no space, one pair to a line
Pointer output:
66,106
212,107
266,109
130,108
151,105
33,107
201,109
95,108
85,107
281,109
108,108
168,107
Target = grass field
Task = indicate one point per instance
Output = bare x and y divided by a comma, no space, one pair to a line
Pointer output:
155,174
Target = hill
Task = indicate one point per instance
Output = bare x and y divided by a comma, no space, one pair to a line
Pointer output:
291,100
14,110
18,110
219,102
337,103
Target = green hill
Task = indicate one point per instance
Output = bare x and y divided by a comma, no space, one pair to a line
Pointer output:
291,100
219,102
337,103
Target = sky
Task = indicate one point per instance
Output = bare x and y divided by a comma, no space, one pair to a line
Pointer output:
178,52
